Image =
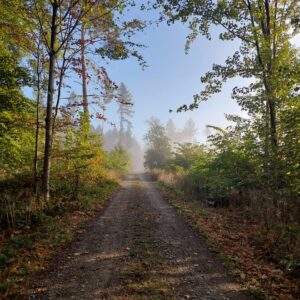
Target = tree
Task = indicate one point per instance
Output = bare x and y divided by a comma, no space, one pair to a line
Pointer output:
61,30
158,150
171,131
64,19
186,154
16,114
187,135
38,66
265,55
39,51
125,111
118,159
102,34
184,135
111,137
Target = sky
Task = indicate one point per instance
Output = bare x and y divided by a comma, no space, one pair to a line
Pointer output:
172,78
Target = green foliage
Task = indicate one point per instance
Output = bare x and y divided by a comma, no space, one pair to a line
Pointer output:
221,174
80,159
255,162
186,154
267,59
159,149
118,160
16,112
80,171
229,170
15,26
232,162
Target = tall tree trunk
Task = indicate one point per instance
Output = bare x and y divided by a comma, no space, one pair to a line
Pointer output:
273,125
266,63
48,120
37,128
121,131
274,168
269,87
59,88
84,73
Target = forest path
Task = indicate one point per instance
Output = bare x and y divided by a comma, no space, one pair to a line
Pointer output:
138,248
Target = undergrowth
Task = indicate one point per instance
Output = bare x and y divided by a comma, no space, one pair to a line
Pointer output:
234,238
27,249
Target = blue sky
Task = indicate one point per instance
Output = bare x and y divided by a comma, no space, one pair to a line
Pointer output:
173,77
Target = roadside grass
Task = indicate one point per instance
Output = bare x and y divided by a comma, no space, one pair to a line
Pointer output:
232,236
29,249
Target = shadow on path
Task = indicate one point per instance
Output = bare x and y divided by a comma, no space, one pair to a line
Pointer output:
139,248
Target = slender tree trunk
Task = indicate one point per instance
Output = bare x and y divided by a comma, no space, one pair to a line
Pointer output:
48,120
266,63
121,124
273,155
84,73
37,127
271,109
267,143
271,99
273,124
59,88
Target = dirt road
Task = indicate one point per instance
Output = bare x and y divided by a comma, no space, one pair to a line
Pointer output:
138,248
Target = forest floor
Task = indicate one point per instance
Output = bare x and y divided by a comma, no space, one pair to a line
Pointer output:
240,241
138,248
